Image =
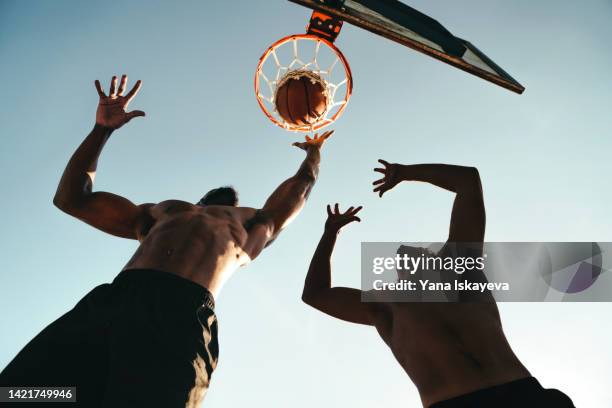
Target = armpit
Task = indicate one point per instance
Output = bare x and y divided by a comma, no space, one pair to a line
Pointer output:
261,217
145,221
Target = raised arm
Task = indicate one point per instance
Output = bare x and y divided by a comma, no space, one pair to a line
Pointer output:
286,202
339,302
468,217
105,211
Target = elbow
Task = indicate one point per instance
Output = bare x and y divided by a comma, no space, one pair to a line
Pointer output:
473,175
60,202
471,180
64,204
308,297
315,297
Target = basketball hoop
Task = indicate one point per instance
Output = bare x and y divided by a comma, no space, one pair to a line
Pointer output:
319,56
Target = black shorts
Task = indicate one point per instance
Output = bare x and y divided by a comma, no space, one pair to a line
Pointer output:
149,339
523,393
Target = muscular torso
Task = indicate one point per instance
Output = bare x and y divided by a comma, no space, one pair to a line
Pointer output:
203,244
449,349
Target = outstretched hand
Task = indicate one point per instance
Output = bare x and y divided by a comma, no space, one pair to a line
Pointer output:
336,220
390,177
111,111
314,142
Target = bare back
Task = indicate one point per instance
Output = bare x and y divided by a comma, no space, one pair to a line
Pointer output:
203,244
449,349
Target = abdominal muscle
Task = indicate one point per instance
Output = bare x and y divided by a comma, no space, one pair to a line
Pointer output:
204,248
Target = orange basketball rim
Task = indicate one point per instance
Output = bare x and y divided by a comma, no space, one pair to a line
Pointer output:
313,51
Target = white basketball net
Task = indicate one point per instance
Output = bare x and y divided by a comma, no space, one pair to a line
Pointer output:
326,61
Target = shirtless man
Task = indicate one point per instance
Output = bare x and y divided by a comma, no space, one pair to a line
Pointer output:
455,353
149,339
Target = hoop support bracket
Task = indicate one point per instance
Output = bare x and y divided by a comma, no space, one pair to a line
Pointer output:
324,26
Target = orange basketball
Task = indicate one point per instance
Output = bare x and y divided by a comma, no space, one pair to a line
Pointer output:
301,98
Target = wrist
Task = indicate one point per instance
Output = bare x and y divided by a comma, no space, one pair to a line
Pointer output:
405,171
331,231
103,129
313,149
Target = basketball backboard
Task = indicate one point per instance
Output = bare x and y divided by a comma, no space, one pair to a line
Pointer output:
403,24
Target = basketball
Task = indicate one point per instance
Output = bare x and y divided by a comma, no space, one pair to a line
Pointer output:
301,98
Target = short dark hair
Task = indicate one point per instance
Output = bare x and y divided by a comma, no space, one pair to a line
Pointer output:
220,196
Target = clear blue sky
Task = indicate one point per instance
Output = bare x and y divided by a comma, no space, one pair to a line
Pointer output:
543,156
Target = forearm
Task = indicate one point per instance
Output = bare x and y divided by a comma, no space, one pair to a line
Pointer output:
449,177
77,180
309,169
340,302
289,198
319,272
304,180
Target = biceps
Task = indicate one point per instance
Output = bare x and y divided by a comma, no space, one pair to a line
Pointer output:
110,213
342,303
